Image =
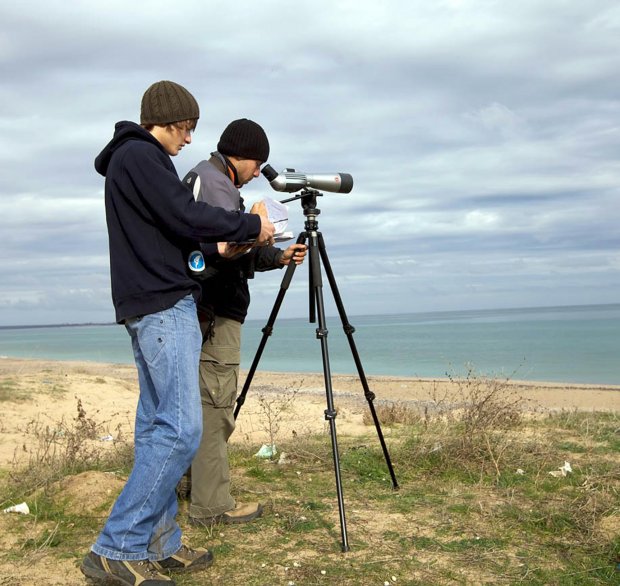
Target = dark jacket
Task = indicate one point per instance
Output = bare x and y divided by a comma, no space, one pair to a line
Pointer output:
151,220
226,292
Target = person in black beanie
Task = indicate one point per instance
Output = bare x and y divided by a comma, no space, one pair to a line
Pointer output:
151,217
241,150
244,139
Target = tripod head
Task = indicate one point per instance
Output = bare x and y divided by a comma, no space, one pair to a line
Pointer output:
308,199
308,203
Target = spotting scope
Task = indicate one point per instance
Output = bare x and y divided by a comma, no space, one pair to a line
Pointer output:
290,180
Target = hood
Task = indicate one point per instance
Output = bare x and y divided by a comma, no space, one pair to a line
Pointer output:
123,131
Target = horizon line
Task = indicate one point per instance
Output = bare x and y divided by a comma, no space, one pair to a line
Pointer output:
534,307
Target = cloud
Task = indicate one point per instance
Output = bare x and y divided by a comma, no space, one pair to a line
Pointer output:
482,138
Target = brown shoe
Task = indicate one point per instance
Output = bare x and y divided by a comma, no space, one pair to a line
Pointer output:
242,513
184,487
185,560
102,570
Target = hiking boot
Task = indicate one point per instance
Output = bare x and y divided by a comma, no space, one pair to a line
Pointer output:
103,570
184,487
186,560
242,513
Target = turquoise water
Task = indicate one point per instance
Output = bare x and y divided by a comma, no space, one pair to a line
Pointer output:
578,344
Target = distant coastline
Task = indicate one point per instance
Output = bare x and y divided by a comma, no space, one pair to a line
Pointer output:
57,326
548,308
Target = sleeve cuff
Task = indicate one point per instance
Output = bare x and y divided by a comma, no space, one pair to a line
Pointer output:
254,224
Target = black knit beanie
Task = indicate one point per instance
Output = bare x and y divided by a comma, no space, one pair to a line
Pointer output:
165,102
246,139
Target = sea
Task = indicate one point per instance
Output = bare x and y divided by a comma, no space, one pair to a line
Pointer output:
574,344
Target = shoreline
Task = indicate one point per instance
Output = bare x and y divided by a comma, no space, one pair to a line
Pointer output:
128,371
285,374
385,387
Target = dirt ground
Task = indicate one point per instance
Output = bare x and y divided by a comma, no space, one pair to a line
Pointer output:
44,393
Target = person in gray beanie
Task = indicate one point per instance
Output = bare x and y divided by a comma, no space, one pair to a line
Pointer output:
241,150
151,217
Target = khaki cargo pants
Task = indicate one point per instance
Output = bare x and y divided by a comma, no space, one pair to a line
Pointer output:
219,372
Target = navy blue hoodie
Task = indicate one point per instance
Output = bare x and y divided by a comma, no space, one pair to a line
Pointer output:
152,221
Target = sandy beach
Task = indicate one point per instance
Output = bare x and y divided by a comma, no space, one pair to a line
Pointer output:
47,392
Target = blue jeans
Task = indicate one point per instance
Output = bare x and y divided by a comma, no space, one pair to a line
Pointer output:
166,348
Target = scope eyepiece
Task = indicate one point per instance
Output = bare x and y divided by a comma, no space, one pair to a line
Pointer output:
269,173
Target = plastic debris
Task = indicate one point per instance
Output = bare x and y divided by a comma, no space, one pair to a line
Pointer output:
520,471
21,508
266,451
562,471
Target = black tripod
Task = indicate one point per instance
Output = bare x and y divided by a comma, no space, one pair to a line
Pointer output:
317,253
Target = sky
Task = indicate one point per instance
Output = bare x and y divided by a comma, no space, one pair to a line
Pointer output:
482,136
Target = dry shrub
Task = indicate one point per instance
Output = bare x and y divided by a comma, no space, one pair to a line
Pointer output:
392,413
471,422
64,448
489,404
272,407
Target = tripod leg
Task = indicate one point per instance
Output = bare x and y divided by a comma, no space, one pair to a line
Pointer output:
311,292
330,412
349,330
268,329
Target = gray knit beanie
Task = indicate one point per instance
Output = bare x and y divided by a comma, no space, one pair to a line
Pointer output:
165,102
244,138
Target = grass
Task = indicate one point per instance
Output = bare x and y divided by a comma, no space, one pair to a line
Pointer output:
476,505
18,390
9,390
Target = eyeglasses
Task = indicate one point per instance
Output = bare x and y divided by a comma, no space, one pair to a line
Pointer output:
185,129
